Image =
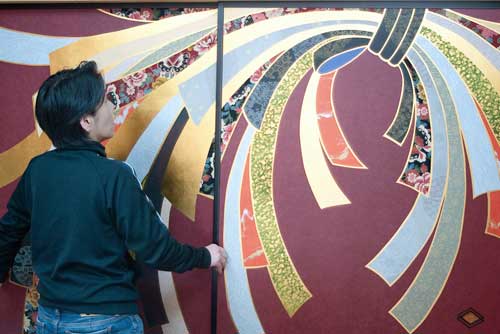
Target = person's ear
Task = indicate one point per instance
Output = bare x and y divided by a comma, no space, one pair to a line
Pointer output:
86,122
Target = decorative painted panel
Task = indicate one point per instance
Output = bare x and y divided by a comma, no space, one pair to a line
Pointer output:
360,185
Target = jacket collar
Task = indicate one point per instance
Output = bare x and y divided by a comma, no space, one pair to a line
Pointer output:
85,146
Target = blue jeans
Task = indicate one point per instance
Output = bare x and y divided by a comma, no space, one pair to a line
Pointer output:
55,321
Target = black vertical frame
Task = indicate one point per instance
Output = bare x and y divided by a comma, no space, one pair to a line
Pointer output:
217,160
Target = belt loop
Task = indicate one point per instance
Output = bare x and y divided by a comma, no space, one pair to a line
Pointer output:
58,315
58,319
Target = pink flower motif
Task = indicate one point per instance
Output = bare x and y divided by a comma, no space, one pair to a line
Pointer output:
423,112
111,89
136,79
275,13
135,15
147,14
222,147
488,34
228,27
206,43
420,155
411,176
256,75
194,10
259,17
422,183
226,133
140,94
130,90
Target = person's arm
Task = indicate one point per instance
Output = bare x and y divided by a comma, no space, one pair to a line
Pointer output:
145,234
14,225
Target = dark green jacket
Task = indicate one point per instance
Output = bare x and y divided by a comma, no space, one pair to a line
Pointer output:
85,213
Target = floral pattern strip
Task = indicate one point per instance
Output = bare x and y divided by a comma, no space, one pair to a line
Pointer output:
479,85
139,84
31,308
485,33
155,14
134,87
288,284
418,169
22,268
152,14
230,113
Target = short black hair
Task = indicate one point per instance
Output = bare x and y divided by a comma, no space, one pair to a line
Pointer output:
64,98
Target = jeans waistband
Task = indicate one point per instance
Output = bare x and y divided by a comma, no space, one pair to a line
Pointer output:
55,315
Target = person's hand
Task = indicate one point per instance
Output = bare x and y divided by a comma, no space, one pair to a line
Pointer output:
218,256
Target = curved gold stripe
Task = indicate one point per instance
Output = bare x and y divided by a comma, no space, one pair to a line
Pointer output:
287,282
152,43
13,162
92,46
181,182
113,65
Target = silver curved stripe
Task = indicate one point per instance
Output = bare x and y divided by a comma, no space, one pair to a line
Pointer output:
29,49
118,71
238,291
198,91
146,148
487,50
414,307
483,164
398,254
176,323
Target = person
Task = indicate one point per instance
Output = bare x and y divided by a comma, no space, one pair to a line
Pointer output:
88,216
